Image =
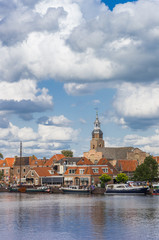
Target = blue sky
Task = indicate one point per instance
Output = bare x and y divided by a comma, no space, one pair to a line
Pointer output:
60,60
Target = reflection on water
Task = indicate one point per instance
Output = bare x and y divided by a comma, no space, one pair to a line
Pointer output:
62,216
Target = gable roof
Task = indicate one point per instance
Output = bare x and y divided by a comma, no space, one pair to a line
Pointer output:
69,159
36,162
104,161
44,172
84,161
10,161
53,159
115,152
7,161
57,157
127,165
23,161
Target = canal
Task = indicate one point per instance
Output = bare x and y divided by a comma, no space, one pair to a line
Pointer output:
78,217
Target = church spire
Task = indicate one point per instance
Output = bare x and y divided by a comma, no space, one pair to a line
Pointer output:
97,135
97,123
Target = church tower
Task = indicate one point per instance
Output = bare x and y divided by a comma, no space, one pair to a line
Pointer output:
97,135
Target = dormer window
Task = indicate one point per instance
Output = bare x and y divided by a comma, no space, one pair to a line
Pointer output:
4,164
95,170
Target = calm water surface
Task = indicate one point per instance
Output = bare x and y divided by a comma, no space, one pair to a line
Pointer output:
71,217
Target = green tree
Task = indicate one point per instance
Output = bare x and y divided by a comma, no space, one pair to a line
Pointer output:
67,153
104,178
122,178
147,171
1,156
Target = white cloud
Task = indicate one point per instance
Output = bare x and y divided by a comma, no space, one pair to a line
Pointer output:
23,98
55,120
83,121
50,133
135,100
47,141
25,89
87,46
137,105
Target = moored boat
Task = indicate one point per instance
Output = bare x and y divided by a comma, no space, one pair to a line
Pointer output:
125,189
24,189
75,189
155,189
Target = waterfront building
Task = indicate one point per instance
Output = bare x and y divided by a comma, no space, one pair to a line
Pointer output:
43,176
86,173
6,167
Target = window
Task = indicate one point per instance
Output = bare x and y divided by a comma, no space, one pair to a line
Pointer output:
95,170
71,171
32,173
24,170
95,162
105,170
81,171
6,171
4,164
18,170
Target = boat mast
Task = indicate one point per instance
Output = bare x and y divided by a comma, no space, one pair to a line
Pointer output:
20,160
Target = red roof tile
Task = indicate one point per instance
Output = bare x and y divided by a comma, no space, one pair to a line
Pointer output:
53,159
84,161
128,165
7,161
44,171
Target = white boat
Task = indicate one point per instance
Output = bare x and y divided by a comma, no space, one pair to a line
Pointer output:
125,189
75,189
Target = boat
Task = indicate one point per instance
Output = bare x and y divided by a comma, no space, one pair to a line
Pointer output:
75,189
125,189
23,189
155,189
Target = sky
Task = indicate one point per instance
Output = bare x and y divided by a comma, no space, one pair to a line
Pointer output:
61,60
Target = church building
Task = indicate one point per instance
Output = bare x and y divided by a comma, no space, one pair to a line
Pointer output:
113,154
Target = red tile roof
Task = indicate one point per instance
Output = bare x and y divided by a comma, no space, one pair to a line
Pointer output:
36,162
1,162
157,159
102,161
84,161
53,159
127,165
44,171
7,161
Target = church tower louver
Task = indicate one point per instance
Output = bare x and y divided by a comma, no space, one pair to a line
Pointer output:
97,135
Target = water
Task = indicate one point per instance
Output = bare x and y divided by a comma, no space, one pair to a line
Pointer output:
72,217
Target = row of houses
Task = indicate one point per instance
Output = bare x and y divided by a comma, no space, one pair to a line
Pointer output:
61,170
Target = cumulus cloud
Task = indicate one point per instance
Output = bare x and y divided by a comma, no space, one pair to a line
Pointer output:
137,105
149,144
62,40
24,98
46,141
55,120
